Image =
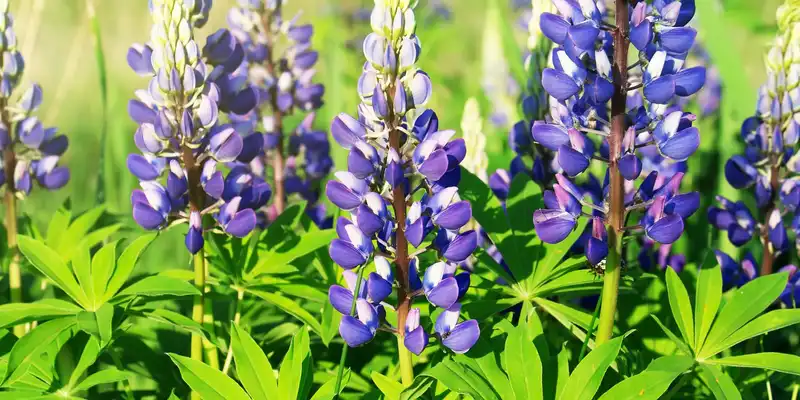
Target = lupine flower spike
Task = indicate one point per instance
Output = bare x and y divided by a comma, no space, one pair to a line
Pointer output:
589,69
29,151
395,151
181,136
769,167
283,82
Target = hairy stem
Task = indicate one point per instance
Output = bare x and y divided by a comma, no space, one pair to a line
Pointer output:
345,347
402,263
278,159
611,277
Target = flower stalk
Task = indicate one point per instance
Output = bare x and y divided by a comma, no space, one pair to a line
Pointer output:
617,205
278,159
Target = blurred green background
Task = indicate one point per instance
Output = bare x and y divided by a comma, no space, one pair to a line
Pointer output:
57,42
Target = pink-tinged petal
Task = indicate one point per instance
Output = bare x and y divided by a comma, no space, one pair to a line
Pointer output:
462,337
666,230
553,226
641,35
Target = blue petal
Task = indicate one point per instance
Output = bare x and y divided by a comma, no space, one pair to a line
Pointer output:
681,145
558,84
666,230
354,332
462,337
572,161
553,226
689,81
554,27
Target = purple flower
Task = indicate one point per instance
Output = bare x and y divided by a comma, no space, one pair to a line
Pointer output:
359,330
458,337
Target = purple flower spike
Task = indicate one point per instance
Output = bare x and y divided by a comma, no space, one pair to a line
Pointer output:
234,221
357,332
677,40
459,246
415,339
553,226
739,172
151,205
672,141
458,337
194,237
347,193
597,246
777,232
558,84
346,130
550,136
554,27
661,227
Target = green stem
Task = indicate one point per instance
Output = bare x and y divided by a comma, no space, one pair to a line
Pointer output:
589,332
14,272
406,366
212,356
678,386
608,301
237,316
343,358
795,391
198,307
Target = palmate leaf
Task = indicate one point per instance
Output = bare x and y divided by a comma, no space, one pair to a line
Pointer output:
587,376
681,306
326,391
720,384
308,243
290,307
252,366
523,364
765,323
461,379
482,359
295,374
747,302
35,342
707,298
390,388
652,382
106,376
780,362
125,264
50,264
210,383
88,357
158,285
17,313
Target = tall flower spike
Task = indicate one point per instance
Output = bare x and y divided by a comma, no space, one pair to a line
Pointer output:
396,151
29,152
277,65
769,164
589,69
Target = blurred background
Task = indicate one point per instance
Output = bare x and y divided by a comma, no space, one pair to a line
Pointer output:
465,51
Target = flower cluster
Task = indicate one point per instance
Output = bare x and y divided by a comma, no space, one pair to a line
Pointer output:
400,188
180,133
29,150
581,84
769,167
284,85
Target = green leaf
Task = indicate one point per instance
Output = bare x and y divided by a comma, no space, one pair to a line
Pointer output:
483,359
680,305
707,298
77,232
460,379
309,242
58,226
554,253
325,392
652,382
566,312
82,266
587,376
486,209
678,342
775,319
125,263
98,323
295,374
747,302
207,381
390,388
252,366
523,364
720,384
176,320
289,307
786,363
50,264
562,361
330,323
102,267
17,313
417,389
35,342
158,285
285,223
582,281
88,357
110,375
